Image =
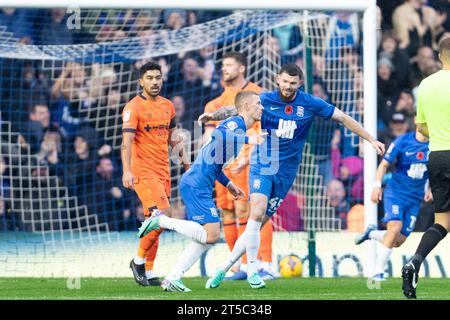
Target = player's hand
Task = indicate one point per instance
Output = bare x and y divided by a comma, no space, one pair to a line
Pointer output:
235,191
128,180
206,117
428,196
379,147
257,138
377,194
336,140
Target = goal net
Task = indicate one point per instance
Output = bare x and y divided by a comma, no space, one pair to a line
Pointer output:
65,78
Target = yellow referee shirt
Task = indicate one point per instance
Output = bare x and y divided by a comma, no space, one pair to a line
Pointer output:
433,108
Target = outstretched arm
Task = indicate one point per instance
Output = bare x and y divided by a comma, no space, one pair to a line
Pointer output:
219,114
356,127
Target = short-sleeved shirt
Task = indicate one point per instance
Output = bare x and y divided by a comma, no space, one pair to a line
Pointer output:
151,120
433,108
287,124
225,143
411,174
227,99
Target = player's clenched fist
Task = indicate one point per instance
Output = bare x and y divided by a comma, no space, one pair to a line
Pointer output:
257,138
127,180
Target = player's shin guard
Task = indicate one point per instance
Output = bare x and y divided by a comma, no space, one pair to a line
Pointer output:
265,250
242,224
146,243
253,234
151,255
188,257
236,253
429,240
383,256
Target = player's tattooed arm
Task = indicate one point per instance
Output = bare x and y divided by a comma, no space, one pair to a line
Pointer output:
177,140
220,114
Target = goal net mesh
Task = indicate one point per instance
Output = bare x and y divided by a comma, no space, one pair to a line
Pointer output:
63,209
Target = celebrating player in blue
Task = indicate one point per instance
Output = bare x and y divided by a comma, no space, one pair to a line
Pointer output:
196,186
287,116
402,196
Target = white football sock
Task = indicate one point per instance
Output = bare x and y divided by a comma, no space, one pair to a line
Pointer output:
139,260
188,257
188,228
377,235
149,274
383,255
237,252
266,265
253,240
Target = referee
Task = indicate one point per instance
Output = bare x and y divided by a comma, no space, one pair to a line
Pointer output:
433,120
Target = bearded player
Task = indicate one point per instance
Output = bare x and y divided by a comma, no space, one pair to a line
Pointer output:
287,116
147,131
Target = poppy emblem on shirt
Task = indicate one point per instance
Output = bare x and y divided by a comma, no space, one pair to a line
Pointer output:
420,155
288,109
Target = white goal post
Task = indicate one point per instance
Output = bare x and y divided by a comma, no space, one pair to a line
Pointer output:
369,58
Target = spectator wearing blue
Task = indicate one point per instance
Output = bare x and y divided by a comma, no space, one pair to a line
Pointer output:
399,57
38,124
106,196
388,91
174,19
19,23
324,132
55,30
343,31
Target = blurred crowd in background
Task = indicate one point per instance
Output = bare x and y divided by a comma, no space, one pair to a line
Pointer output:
67,119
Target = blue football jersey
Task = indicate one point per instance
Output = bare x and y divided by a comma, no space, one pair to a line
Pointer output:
411,174
287,124
225,143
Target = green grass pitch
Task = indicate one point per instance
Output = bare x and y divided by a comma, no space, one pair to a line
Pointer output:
284,289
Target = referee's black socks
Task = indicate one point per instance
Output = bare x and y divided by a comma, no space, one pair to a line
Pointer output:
429,240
